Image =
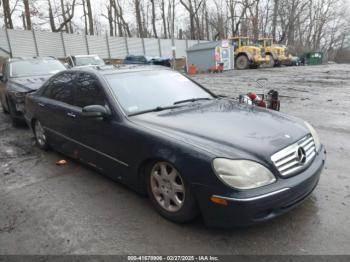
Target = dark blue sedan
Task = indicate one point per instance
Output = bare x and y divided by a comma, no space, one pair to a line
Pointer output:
192,152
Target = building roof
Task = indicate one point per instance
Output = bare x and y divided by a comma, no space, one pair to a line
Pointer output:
204,46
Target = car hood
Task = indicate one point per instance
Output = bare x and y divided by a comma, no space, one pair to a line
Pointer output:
28,84
227,128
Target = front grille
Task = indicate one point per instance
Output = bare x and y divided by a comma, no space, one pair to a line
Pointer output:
293,158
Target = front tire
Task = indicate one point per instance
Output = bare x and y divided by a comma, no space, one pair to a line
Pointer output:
16,121
169,193
242,62
271,62
3,106
40,136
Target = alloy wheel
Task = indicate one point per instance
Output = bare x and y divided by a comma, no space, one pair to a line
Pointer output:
167,186
40,134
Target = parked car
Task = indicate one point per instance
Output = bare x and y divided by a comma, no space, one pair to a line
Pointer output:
83,60
147,60
162,61
191,151
20,76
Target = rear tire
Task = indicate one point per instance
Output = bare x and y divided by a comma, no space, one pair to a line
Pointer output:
242,62
169,193
40,136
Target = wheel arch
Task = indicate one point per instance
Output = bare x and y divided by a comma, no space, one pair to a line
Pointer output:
247,54
141,172
4,101
32,122
273,54
7,101
146,163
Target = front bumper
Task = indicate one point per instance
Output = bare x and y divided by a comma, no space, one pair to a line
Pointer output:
259,205
17,106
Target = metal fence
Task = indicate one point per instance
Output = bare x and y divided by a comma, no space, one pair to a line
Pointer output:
40,43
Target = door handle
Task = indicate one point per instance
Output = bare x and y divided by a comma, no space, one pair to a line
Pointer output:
41,104
70,114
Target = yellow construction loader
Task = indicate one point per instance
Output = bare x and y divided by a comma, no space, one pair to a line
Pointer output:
277,54
248,54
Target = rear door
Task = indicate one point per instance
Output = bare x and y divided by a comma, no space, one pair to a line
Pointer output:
57,112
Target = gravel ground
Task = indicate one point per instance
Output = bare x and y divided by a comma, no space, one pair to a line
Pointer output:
46,209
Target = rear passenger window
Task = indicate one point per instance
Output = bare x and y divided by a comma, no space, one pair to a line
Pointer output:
88,91
60,88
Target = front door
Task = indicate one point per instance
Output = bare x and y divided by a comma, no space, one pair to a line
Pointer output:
98,139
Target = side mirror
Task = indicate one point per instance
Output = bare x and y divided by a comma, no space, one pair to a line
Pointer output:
95,111
1,77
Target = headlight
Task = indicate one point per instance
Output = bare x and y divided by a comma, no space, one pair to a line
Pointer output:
242,174
314,136
18,96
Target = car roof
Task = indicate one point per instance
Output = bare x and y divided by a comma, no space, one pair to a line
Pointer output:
27,58
84,56
119,69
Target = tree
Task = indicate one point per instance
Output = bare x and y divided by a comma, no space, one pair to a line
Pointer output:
89,15
28,24
254,12
154,19
7,14
110,17
164,20
69,13
139,24
192,7
274,21
123,25
85,18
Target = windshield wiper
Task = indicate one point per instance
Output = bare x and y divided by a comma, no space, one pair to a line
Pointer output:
156,109
192,100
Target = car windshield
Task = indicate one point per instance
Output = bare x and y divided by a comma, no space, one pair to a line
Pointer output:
35,67
147,90
88,60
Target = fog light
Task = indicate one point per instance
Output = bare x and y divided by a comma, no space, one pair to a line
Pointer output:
219,201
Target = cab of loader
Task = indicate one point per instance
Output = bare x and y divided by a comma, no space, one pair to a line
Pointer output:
277,54
247,53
